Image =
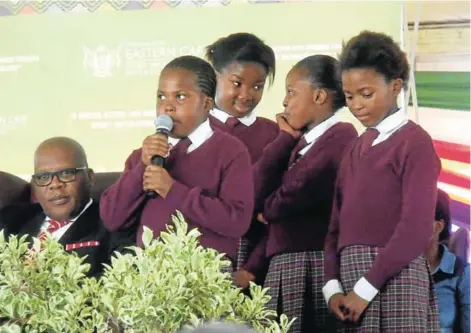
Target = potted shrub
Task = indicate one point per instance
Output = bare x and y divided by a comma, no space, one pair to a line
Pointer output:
43,290
168,284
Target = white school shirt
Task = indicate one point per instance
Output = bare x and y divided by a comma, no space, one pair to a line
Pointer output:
315,133
199,136
222,116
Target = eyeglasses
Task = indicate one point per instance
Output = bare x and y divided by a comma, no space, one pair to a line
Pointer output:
65,176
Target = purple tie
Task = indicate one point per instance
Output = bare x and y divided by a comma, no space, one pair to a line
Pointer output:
180,149
295,153
367,139
232,122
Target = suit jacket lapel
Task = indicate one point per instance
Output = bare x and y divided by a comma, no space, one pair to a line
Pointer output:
33,226
86,225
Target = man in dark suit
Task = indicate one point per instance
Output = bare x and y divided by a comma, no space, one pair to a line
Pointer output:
62,184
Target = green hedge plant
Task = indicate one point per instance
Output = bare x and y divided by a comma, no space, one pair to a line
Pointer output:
170,283
43,290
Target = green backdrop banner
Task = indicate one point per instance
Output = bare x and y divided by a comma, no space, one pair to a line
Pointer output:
443,90
93,76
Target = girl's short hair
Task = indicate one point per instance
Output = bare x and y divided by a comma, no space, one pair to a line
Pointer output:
206,77
241,47
378,51
442,212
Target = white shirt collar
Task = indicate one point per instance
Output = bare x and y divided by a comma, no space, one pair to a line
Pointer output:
393,122
199,136
222,116
79,214
389,125
315,133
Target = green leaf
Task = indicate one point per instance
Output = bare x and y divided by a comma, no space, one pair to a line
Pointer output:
147,236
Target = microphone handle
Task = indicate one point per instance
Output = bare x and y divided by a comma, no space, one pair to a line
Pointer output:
160,161
157,160
151,194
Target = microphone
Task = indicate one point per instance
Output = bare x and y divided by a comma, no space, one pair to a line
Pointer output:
163,125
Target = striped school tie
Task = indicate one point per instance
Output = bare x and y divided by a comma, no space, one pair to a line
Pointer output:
53,226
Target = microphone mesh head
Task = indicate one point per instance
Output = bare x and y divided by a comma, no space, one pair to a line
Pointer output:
163,122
